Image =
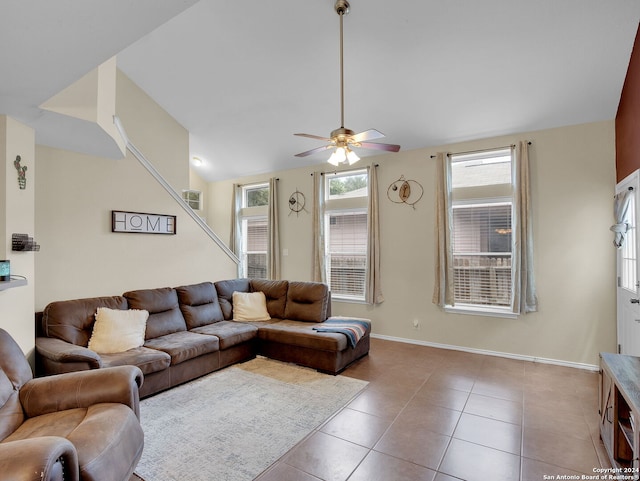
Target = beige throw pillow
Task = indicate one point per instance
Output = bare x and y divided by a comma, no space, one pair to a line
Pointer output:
250,306
118,330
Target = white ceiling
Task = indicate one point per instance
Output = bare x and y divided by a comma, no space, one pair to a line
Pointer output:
242,77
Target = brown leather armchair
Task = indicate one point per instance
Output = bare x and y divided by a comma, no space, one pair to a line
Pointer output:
77,426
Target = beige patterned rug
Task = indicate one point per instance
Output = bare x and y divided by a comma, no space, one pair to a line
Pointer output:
232,424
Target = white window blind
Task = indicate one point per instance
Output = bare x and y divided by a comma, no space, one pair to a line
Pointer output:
482,254
347,253
255,247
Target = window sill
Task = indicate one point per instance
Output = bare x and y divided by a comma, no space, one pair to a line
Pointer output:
471,310
349,300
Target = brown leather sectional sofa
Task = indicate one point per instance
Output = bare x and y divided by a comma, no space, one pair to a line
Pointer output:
191,332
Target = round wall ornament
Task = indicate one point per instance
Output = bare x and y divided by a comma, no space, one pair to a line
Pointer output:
405,191
296,202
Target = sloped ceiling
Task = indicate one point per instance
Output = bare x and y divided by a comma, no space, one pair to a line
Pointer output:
48,45
243,77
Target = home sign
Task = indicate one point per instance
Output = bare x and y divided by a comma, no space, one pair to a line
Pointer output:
141,223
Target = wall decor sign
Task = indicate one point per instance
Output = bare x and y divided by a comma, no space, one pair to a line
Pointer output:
141,223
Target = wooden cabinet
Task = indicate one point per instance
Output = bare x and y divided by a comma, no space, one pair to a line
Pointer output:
620,411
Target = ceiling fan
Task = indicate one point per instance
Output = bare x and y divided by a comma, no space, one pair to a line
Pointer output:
344,139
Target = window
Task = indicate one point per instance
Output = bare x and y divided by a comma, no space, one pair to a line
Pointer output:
481,230
254,231
193,198
628,274
346,215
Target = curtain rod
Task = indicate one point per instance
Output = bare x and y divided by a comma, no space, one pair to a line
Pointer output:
340,172
480,151
255,183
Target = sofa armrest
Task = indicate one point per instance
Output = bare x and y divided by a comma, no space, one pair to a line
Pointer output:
48,458
82,389
59,351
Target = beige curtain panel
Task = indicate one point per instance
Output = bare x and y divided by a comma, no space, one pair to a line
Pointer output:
273,240
319,272
524,286
373,294
443,289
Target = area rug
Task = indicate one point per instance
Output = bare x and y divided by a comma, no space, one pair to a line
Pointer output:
232,424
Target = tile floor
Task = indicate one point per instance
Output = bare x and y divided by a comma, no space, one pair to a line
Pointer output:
438,415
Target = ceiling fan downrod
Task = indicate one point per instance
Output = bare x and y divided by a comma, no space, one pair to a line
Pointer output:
342,8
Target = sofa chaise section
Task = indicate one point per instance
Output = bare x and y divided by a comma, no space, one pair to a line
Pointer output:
295,308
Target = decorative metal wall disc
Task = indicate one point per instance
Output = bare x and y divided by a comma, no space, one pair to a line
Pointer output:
296,202
405,191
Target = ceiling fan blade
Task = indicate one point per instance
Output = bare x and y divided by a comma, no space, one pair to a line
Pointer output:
374,146
313,151
370,134
317,137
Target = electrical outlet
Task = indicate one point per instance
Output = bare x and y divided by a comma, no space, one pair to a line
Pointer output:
416,324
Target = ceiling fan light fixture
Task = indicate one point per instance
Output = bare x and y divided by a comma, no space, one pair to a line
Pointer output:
352,157
333,160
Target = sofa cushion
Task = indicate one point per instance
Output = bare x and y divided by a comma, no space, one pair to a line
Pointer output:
148,360
229,333
298,333
307,301
225,291
72,321
118,330
199,304
165,316
276,294
250,306
185,345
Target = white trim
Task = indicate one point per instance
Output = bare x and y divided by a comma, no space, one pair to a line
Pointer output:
520,357
171,191
478,310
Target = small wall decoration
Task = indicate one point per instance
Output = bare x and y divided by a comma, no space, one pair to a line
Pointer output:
22,169
141,223
296,202
24,243
405,191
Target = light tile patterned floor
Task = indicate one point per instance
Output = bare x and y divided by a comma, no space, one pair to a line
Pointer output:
438,415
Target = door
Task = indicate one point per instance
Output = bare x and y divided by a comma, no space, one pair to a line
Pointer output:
628,290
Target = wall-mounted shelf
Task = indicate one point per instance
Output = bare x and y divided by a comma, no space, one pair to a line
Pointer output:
12,283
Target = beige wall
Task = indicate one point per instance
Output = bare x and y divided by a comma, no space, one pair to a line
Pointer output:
75,194
573,180
17,216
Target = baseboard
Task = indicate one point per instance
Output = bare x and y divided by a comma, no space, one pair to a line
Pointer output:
543,360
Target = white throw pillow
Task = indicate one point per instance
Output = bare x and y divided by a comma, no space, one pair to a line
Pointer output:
250,306
118,330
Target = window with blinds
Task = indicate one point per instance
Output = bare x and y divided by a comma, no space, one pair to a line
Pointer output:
255,251
481,231
254,231
346,233
347,253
